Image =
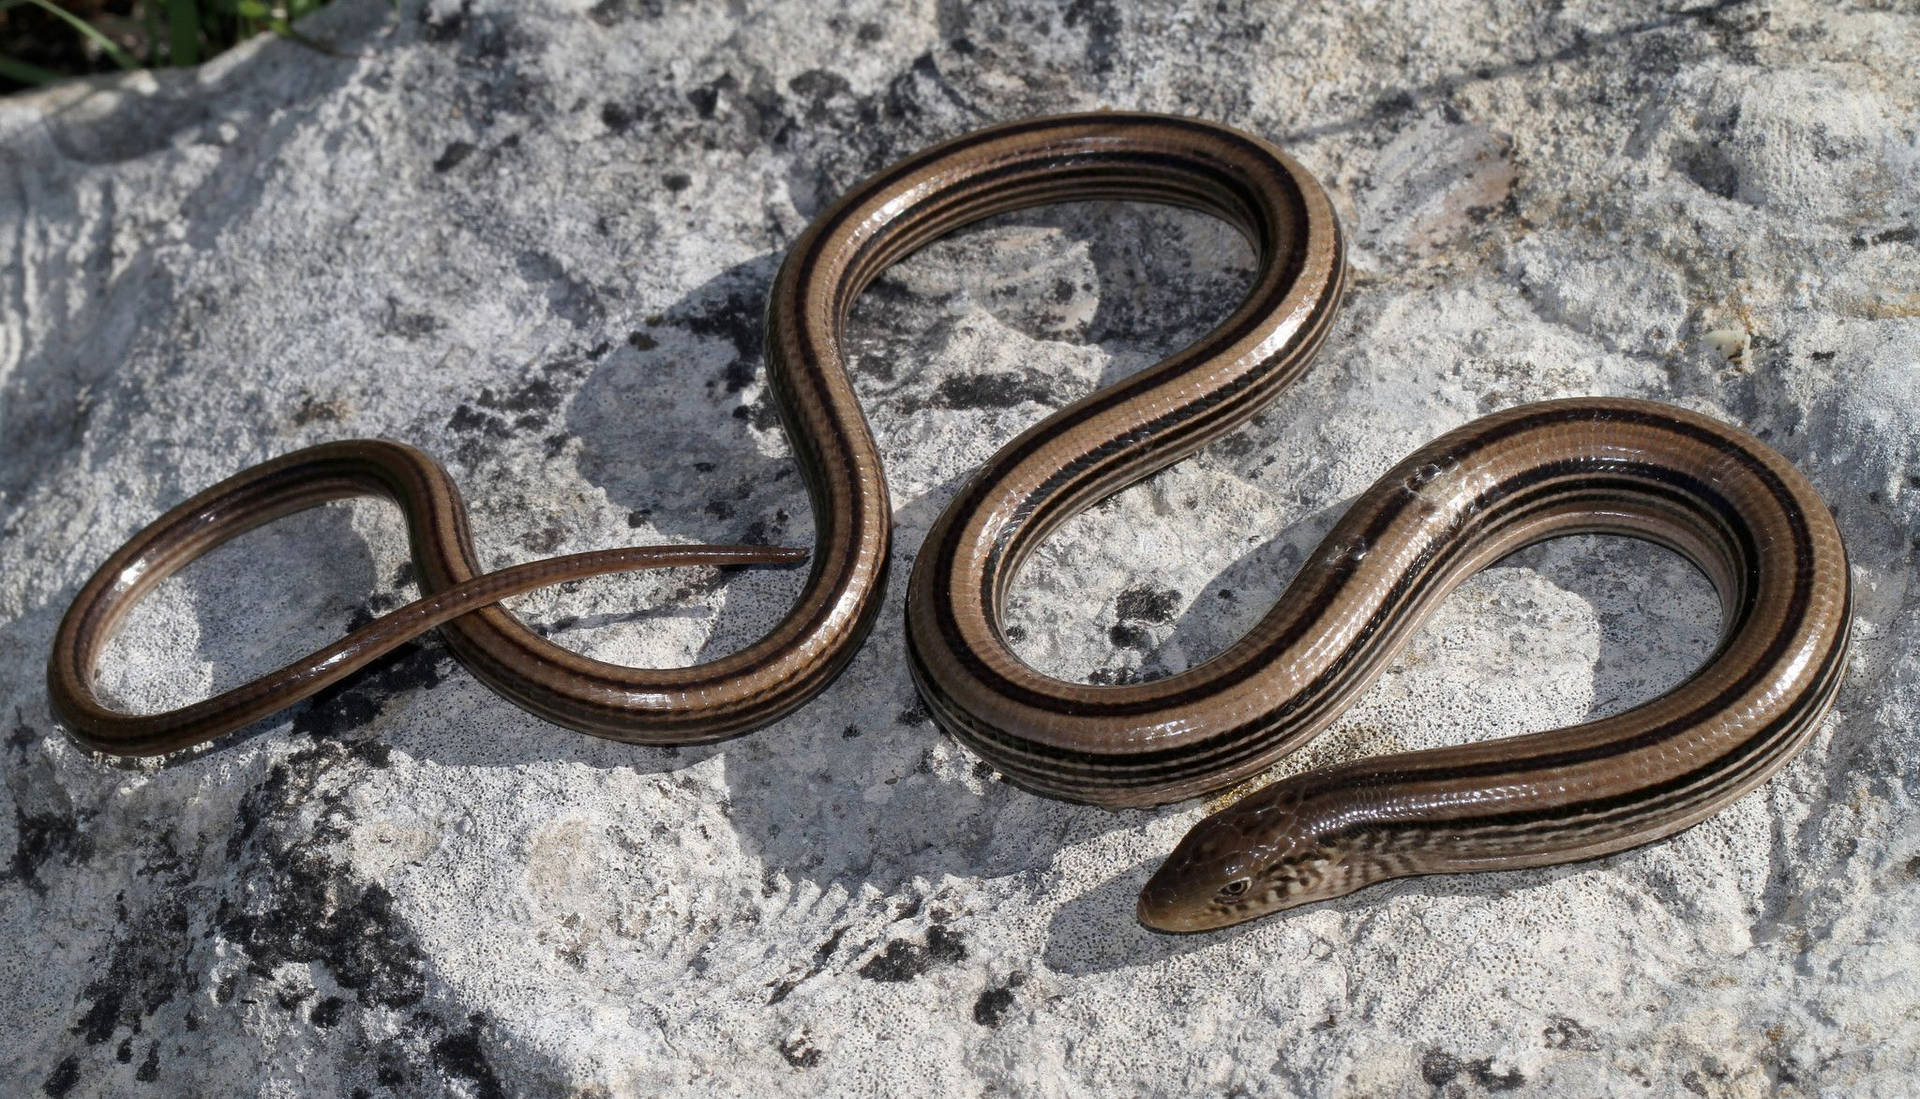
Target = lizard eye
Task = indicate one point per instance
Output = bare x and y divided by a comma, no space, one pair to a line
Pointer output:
1235,887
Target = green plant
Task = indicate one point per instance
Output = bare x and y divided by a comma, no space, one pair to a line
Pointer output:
42,41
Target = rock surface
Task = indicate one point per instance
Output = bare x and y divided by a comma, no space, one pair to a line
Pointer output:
534,239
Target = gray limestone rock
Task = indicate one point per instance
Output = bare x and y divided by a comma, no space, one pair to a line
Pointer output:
534,239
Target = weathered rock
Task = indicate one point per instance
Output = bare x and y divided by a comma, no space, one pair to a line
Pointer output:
535,240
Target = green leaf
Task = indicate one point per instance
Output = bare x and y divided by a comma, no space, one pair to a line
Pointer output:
27,74
107,45
183,32
150,17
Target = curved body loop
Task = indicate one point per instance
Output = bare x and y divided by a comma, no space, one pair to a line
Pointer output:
1717,495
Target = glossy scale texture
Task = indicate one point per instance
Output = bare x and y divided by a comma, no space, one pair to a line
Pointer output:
1715,494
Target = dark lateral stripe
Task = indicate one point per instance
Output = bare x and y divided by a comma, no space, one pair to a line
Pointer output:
1250,315
1385,519
859,514
1174,435
1252,738
811,355
1768,749
1502,509
1748,756
1230,191
1184,428
917,163
1072,177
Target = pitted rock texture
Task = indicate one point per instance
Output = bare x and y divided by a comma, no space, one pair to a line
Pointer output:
534,239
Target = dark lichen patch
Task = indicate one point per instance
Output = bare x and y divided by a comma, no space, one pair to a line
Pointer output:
466,420
1508,207
735,315
453,156
461,1055
1440,1068
1565,1033
1393,104
41,838
147,964
1905,234
21,737
1101,18
1128,636
995,1001
904,960
992,1006
915,714
390,1065
818,89
607,13
149,1069
484,88
1146,603
996,389
536,395
767,532
741,115
64,1076
443,26
314,410
706,98
819,85
1235,444
828,945
822,954
292,904
327,1012
315,913
845,135
616,117
739,374
799,1051
356,701
760,414
1484,1075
